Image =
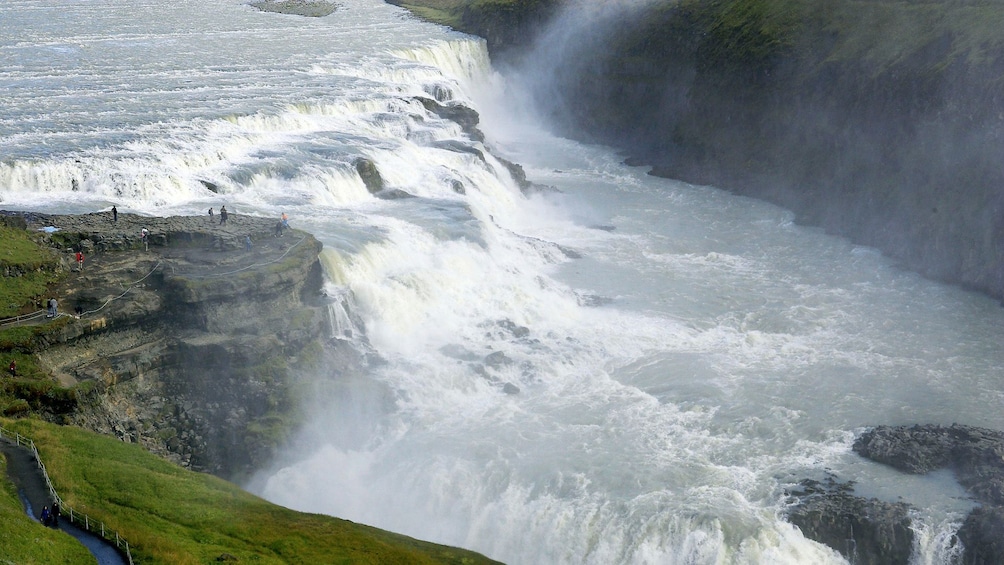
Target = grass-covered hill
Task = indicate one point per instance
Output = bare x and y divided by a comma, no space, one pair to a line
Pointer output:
173,516
28,268
880,120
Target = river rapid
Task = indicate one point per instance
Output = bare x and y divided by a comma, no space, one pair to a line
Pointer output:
681,354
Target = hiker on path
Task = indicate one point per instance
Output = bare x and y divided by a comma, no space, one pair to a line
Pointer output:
247,243
80,261
223,215
115,214
45,516
144,236
54,515
53,308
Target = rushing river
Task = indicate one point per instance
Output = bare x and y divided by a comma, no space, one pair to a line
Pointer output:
681,354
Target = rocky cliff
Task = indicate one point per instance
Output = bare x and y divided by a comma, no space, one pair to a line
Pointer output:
190,343
879,120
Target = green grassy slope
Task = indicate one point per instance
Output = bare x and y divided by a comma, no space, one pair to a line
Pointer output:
173,516
27,268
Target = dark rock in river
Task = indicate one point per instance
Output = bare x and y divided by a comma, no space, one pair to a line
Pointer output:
865,531
982,535
975,455
306,8
466,117
370,175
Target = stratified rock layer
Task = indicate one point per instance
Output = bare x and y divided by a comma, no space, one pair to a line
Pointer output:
192,342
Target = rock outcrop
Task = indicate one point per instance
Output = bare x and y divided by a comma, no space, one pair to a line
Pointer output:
866,531
193,347
975,455
873,531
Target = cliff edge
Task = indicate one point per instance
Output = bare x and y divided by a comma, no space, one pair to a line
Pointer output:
189,343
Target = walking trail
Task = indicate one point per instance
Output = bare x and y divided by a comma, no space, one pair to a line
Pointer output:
24,472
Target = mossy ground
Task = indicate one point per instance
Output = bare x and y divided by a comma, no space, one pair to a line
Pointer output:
445,12
174,516
31,267
36,266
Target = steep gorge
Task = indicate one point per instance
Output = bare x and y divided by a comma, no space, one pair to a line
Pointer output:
880,121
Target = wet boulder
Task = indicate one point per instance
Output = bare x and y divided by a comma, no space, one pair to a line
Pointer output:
370,174
866,531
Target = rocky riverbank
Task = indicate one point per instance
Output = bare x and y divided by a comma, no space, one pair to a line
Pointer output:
191,343
870,531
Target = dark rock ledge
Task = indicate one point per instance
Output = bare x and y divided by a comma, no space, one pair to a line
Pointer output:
868,531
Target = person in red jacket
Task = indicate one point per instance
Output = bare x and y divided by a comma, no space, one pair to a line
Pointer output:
80,261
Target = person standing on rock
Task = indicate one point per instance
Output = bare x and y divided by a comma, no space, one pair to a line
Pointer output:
53,308
144,236
223,215
80,261
210,213
247,243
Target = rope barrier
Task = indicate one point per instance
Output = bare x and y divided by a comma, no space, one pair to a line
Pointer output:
276,260
131,286
22,441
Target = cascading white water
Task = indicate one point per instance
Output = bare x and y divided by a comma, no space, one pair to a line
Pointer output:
681,354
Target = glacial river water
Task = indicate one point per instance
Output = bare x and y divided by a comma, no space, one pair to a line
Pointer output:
681,354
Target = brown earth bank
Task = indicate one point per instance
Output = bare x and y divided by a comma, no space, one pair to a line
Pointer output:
881,121
190,344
